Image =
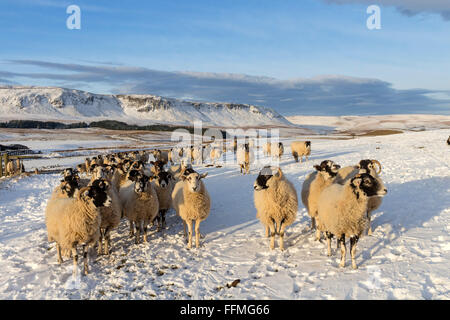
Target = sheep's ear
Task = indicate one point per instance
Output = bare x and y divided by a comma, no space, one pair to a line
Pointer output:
203,176
183,177
169,176
279,173
317,167
85,194
356,181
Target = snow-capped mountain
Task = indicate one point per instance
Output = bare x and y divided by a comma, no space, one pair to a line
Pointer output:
52,103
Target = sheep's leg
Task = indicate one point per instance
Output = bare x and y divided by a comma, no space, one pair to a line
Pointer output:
318,233
295,154
313,223
58,252
369,230
329,236
272,234
197,233
100,241
353,242
184,229
281,233
131,229
75,261
138,232
85,259
144,225
163,218
189,224
343,250
107,237
267,232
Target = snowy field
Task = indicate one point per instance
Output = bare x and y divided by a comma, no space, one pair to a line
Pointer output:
407,257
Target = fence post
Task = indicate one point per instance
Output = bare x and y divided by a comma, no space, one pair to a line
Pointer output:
6,159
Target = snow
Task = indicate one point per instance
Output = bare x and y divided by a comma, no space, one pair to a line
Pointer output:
407,257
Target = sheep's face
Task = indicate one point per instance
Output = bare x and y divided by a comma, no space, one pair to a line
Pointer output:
193,180
67,172
368,185
99,172
266,178
141,184
328,167
97,194
69,185
163,179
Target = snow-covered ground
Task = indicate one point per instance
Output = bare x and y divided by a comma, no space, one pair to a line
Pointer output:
407,257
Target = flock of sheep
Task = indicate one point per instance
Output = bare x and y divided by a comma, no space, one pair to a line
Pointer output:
126,185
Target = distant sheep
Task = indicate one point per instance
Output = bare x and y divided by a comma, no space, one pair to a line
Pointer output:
277,149
14,167
300,149
76,221
245,157
191,201
276,203
342,211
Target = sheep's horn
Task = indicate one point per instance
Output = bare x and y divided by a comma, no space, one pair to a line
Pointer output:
379,165
279,172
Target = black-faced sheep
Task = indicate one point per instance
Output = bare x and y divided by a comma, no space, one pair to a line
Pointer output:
163,184
276,203
192,202
364,166
300,149
342,211
313,185
141,206
76,221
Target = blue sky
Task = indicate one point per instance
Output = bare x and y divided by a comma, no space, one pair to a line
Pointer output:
307,56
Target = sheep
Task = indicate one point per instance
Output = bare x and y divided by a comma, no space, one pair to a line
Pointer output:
197,155
215,154
267,148
74,221
277,149
87,163
364,166
191,201
300,149
81,168
157,166
110,216
448,141
14,167
313,185
342,211
141,206
276,203
163,184
179,170
161,155
245,157
67,188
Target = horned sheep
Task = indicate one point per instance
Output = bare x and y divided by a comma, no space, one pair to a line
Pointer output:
342,211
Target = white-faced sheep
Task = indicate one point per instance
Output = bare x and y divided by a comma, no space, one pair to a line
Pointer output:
313,185
342,211
161,155
300,149
365,166
276,203
141,207
76,221
163,184
192,202
215,154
